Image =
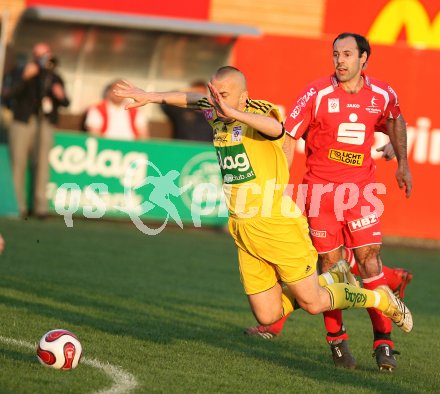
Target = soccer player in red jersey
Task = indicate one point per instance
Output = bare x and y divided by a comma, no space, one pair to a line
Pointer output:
337,116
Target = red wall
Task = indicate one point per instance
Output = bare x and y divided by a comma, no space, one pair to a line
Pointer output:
194,9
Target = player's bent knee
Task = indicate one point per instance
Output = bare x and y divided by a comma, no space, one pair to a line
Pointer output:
313,309
316,305
267,318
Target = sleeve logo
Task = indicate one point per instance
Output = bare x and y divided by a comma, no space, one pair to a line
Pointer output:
302,102
209,113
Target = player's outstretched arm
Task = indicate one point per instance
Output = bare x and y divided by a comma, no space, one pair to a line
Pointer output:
265,124
140,97
397,133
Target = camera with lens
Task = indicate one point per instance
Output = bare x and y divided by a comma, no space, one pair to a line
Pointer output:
47,62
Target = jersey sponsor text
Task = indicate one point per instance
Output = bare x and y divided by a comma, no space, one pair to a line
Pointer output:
349,158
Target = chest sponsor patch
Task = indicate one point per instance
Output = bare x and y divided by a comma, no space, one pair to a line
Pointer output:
345,157
234,164
220,137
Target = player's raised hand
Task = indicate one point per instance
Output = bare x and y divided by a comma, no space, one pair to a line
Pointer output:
139,96
31,70
404,179
388,151
223,109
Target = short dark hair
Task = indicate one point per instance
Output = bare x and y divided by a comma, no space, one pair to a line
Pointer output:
222,71
226,70
362,43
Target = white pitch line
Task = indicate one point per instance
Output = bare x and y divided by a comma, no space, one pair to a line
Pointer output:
124,381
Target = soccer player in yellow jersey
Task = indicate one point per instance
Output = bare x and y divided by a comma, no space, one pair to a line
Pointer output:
271,237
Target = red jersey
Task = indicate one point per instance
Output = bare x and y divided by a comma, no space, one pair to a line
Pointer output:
339,128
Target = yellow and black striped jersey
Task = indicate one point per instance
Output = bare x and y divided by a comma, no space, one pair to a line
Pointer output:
253,165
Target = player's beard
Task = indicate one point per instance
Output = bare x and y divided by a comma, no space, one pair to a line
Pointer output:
348,73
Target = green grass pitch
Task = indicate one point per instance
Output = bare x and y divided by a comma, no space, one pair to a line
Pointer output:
164,314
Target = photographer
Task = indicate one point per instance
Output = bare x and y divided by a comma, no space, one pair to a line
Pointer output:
34,94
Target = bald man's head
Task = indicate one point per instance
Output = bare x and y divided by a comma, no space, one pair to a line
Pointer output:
231,85
233,73
41,49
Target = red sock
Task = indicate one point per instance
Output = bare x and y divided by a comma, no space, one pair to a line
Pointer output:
277,327
382,325
375,281
392,279
333,324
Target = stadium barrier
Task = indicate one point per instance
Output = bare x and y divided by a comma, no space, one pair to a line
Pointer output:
8,201
155,180
92,177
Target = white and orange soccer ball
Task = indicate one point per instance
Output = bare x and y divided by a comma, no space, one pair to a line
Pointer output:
59,349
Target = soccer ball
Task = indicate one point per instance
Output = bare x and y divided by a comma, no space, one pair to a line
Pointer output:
59,349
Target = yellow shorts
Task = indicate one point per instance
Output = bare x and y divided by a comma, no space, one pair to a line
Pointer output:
272,249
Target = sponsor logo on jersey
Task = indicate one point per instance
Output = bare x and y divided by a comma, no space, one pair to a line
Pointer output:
220,137
362,223
209,113
353,106
318,233
349,158
373,108
301,103
234,164
333,105
236,134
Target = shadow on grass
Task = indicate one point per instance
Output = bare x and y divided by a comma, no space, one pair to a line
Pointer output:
176,287
18,356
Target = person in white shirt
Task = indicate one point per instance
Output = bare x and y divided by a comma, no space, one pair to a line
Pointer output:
110,119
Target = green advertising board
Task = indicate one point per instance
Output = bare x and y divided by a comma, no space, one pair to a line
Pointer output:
152,180
8,201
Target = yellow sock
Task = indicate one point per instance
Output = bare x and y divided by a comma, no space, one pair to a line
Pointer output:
384,300
328,278
345,296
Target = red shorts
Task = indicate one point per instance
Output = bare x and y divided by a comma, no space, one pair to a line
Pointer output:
346,215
